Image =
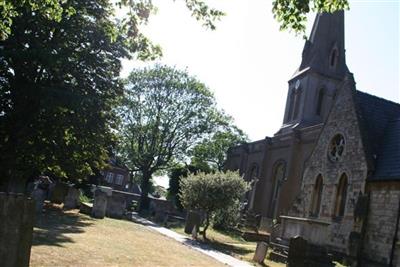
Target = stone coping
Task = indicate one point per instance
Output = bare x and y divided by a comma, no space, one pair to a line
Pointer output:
307,220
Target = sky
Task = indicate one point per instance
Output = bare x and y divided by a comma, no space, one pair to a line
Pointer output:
246,62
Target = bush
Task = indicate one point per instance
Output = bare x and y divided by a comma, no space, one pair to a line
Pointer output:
212,192
225,219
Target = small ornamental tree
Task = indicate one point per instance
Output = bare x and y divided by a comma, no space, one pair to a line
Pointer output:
211,192
178,173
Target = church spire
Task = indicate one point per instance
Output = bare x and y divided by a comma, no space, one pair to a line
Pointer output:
324,51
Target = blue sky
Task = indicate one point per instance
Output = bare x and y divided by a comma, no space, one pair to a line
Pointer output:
247,61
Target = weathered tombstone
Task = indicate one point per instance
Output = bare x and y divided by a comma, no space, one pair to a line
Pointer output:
116,206
194,232
59,192
160,216
17,216
100,204
297,252
193,219
39,196
72,199
261,252
86,208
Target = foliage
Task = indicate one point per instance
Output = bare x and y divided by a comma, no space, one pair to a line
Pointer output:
134,14
213,150
212,192
176,174
84,198
292,14
165,113
58,89
225,219
158,191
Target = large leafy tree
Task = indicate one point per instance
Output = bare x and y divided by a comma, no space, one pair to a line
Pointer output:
212,150
211,193
291,14
58,88
137,12
165,113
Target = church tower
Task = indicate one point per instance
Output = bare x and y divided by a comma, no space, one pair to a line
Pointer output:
323,67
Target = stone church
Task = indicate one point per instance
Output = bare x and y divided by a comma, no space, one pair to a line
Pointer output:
331,173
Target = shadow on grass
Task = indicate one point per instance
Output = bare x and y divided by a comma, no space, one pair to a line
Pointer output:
54,224
230,249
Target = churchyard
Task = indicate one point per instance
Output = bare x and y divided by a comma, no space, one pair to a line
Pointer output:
67,238
73,239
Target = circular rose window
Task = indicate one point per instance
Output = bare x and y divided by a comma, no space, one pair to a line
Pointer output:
336,148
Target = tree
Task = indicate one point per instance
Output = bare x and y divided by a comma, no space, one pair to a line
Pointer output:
165,113
136,13
213,150
211,192
180,172
292,14
58,88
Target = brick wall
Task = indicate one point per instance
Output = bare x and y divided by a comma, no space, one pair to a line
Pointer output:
384,205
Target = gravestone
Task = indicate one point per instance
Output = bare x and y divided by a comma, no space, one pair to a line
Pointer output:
39,196
297,252
261,252
59,192
99,204
305,254
193,219
17,216
72,199
116,206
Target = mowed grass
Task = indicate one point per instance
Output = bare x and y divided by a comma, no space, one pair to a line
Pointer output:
72,239
232,244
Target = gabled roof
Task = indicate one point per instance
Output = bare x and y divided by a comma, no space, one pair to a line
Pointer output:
380,129
388,161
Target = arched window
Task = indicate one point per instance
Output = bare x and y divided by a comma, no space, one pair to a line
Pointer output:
320,101
333,58
316,197
291,104
253,178
253,172
296,104
341,195
277,180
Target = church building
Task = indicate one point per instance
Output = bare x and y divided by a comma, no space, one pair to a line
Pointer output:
331,173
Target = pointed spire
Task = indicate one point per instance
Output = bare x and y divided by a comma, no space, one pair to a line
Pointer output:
324,51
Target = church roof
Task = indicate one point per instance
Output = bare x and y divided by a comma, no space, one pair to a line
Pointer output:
380,128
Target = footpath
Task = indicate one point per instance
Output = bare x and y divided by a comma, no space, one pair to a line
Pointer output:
203,248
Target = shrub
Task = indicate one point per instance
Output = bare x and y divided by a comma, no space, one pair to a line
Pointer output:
212,192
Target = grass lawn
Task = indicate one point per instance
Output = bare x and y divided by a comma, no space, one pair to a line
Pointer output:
233,244
72,239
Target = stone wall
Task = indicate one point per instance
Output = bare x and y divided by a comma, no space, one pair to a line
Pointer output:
341,120
17,215
382,217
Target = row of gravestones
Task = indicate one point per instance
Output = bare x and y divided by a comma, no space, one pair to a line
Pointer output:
108,203
301,254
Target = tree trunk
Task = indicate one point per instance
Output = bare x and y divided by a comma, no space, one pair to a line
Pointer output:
144,197
206,226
